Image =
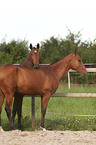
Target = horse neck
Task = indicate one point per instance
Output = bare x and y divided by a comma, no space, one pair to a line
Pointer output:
27,62
62,66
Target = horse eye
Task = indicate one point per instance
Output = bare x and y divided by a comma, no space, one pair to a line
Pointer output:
31,54
79,60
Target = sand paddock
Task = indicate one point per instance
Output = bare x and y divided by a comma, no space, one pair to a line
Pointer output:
18,137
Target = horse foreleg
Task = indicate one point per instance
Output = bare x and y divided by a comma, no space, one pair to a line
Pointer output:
44,102
17,107
19,112
14,108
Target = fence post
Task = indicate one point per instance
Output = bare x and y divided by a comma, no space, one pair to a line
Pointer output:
33,110
68,80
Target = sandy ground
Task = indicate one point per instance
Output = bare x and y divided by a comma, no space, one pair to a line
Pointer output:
18,137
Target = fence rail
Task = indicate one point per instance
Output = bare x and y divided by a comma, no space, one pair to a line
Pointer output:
58,95
68,95
71,70
88,70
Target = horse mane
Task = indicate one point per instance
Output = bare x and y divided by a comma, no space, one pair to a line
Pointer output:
24,60
58,60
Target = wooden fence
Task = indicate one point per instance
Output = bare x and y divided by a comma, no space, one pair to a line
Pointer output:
58,95
88,70
63,94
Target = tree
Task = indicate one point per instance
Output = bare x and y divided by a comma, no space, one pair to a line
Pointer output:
13,52
49,51
54,49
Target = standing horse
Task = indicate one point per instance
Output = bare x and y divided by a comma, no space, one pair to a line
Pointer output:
32,61
43,81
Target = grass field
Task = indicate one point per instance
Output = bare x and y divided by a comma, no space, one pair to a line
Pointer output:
60,111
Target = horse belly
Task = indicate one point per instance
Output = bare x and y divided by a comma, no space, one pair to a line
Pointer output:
26,89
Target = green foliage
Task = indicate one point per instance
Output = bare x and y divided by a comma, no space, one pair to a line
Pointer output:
51,50
13,52
54,49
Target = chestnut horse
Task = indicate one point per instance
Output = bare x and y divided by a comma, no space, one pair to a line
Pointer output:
32,61
43,81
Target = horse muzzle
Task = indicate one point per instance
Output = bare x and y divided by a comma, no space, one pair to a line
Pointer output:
36,66
84,73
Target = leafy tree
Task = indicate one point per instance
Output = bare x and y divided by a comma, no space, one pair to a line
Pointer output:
54,49
13,52
49,50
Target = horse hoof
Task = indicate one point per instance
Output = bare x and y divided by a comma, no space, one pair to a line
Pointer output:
42,128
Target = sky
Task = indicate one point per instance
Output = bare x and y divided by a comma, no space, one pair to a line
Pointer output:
38,20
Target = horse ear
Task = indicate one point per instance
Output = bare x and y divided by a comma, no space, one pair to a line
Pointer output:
38,46
30,46
75,51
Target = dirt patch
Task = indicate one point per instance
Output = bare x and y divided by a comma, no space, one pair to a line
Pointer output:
17,137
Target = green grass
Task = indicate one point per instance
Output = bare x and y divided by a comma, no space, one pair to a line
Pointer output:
60,111
76,89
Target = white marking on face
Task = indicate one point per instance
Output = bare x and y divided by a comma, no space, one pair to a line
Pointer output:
35,51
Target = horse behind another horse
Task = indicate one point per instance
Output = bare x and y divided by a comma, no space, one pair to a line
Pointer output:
31,61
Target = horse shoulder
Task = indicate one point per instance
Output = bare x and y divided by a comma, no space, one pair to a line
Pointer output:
51,82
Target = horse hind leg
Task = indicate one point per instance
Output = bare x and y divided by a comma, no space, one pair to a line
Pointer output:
8,108
8,111
1,103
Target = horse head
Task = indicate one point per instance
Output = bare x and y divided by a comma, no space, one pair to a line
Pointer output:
34,55
77,64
